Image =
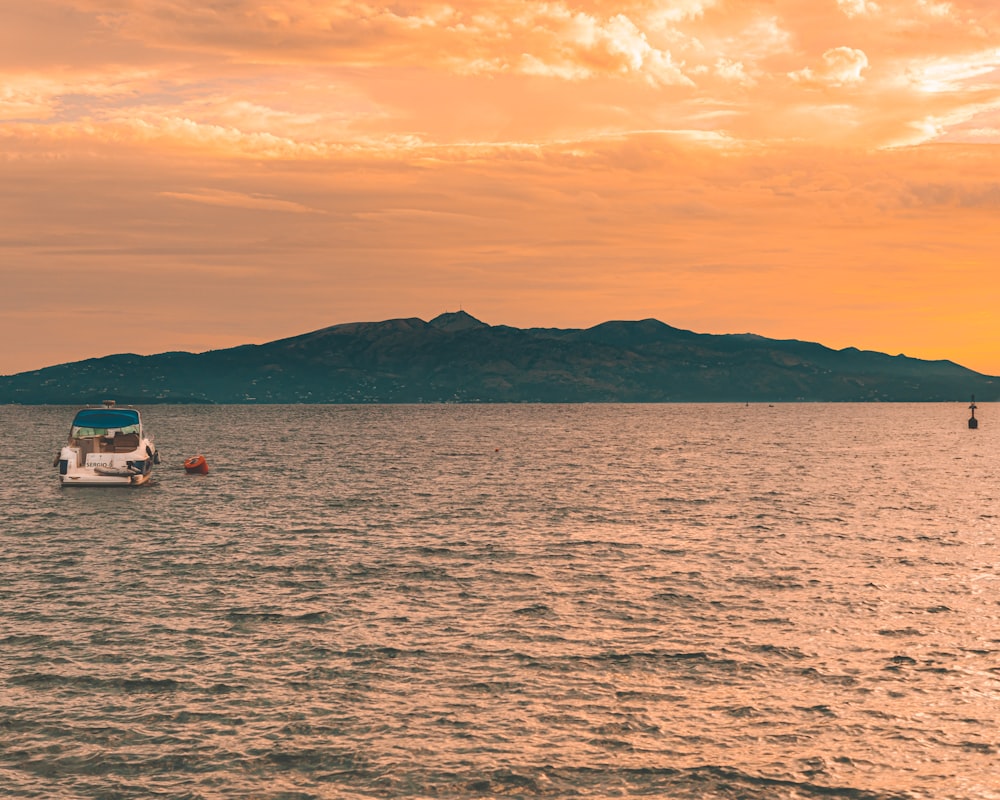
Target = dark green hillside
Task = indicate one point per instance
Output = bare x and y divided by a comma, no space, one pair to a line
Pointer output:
456,358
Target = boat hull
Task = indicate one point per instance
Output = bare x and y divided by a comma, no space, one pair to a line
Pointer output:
118,469
85,477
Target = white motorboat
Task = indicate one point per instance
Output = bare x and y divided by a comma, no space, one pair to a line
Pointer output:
107,447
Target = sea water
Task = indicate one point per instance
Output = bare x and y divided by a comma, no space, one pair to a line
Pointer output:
597,601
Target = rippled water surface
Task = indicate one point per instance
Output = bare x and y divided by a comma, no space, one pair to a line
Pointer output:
798,601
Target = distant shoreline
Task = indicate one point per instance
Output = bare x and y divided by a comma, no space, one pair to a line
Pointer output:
456,359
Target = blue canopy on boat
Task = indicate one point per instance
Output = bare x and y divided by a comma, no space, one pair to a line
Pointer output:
106,418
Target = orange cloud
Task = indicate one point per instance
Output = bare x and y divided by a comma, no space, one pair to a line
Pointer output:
841,66
794,168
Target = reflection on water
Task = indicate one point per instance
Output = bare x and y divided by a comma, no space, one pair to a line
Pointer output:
461,601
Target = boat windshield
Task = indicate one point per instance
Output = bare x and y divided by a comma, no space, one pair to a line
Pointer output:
99,421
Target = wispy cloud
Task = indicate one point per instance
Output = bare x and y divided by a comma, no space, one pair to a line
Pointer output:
218,197
362,158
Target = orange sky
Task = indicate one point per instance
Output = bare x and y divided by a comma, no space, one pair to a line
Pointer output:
179,175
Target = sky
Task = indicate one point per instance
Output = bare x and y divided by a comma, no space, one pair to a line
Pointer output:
179,175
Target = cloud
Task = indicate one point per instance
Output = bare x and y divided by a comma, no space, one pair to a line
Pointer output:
840,66
974,70
733,71
557,39
219,197
663,13
376,152
933,8
28,98
578,46
317,75
60,93
858,8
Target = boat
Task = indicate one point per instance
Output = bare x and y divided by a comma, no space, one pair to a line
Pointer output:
107,447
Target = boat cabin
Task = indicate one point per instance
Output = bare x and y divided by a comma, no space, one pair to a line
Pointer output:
106,430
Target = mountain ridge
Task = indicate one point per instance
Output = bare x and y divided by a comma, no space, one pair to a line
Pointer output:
455,357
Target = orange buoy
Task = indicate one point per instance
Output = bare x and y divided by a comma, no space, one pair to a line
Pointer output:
196,464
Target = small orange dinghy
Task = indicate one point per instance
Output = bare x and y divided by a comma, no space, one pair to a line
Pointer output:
196,465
